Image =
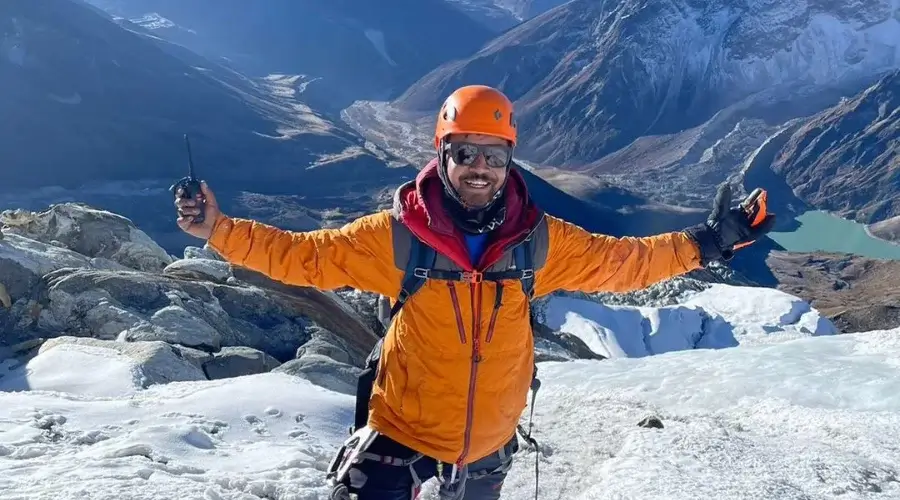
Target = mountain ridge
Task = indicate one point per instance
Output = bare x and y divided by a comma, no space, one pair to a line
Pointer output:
590,77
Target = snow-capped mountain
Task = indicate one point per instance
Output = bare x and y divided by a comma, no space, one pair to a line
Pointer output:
589,77
345,49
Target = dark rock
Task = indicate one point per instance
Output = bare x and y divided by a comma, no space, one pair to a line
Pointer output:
651,423
323,371
238,361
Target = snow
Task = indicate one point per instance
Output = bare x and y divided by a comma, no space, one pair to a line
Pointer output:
808,418
718,317
746,48
73,436
153,21
377,39
90,371
795,416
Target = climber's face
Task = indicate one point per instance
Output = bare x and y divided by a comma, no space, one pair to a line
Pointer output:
477,166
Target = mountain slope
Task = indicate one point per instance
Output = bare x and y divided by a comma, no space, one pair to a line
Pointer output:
99,109
346,49
500,15
846,159
84,98
589,77
855,293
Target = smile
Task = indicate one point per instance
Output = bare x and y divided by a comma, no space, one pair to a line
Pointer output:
477,184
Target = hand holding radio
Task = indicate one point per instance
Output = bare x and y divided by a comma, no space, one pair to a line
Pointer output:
195,202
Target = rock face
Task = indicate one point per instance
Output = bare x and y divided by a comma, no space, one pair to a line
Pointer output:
846,159
887,229
237,361
590,77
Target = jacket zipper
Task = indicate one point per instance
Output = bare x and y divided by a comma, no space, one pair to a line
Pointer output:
475,289
497,301
459,320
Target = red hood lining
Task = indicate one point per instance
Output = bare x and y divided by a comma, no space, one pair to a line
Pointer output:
419,205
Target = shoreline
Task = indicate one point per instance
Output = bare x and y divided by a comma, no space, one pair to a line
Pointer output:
870,234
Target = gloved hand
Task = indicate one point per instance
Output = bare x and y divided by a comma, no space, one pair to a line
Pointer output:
730,228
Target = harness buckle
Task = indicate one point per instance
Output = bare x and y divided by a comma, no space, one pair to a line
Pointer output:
349,454
472,276
420,272
527,274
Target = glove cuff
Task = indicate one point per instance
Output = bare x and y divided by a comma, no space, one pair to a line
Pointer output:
707,241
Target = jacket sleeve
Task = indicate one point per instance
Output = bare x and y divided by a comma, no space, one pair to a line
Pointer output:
357,255
581,261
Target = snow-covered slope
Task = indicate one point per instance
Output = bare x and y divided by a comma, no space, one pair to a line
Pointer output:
816,417
792,418
718,317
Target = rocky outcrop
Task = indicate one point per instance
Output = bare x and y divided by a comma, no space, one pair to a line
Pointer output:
667,292
93,233
238,361
324,371
90,277
887,229
158,362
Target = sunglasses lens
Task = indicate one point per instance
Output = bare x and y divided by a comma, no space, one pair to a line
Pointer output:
496,156
465,154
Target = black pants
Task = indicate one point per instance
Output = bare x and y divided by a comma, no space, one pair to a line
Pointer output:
374,480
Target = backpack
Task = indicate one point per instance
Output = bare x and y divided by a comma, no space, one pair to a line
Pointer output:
420,267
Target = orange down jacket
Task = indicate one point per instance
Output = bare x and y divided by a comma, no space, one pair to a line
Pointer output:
457,360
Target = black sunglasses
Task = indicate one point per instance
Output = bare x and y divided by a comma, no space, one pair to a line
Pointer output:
465,153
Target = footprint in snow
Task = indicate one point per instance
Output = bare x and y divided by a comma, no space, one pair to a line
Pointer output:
257,425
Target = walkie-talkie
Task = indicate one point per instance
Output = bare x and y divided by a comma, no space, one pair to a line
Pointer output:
190,185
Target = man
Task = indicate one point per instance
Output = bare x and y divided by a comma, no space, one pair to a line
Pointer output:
457,360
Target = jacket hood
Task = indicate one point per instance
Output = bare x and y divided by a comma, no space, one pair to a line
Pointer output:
419,206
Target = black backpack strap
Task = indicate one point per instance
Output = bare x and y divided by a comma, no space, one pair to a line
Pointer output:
418,267
524,259
364,383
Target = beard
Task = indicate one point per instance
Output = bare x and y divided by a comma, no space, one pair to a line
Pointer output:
477,190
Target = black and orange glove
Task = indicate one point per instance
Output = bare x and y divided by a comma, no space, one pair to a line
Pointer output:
730,228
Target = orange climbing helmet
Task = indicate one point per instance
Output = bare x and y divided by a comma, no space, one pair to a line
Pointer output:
476,109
